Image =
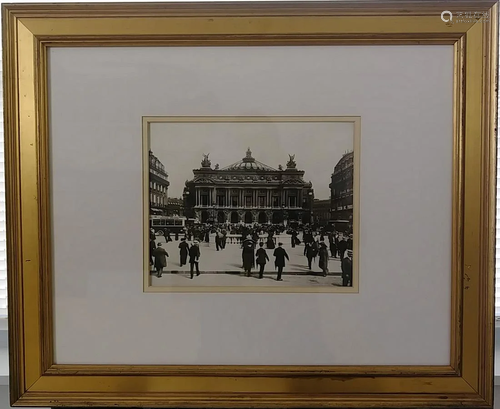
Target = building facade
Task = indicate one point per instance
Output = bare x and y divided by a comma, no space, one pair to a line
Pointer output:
175,207
342,191
321,211
248,191
158,186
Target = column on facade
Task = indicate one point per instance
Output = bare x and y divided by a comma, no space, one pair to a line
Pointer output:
254,198
227,197
197,196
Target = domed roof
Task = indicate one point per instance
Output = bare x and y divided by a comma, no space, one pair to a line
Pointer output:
249,163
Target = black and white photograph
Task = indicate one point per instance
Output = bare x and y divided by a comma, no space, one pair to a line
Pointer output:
265,203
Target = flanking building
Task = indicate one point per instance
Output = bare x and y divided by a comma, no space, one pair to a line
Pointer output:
342,192
158,186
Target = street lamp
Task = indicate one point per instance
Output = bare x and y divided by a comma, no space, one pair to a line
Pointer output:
311,200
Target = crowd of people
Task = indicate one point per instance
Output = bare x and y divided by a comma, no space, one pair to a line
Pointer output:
254,240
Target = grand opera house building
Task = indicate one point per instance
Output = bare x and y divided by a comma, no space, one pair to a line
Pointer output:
248,191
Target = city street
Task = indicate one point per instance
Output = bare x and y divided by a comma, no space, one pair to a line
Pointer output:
224,268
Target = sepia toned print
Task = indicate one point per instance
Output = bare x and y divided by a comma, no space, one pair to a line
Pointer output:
281,215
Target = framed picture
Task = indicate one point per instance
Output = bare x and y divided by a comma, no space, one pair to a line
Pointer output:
264,204
246,225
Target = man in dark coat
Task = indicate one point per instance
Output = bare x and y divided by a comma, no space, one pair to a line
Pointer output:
294,237
349,242
342,247
152,247
311,251
347,270
323,258
160,259
279,262
224,239
248,256
333,246
218,236
261,258
184,250
194,257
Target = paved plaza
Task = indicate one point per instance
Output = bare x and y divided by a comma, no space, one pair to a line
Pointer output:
224,267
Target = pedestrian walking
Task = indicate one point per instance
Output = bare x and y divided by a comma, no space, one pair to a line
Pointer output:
219,240
342,247
160,259
194,258
323,258
270,240
347,270
294,238
349,242
248,256
333,247
311,251
224,239
184,250
152,247
280,255
262,258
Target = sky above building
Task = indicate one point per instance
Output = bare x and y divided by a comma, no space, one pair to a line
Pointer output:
317,147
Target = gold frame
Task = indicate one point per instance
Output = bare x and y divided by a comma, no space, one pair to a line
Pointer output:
146,135
36,380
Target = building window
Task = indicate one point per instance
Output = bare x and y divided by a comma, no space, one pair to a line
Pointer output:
234,201
248,201
262,201
204,200
220,200
293,201
276,201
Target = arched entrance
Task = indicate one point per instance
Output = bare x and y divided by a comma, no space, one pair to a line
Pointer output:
221,217
204,216
262,218
277,217
248,217
234,217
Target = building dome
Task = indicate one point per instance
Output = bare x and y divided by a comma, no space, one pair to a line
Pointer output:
249,163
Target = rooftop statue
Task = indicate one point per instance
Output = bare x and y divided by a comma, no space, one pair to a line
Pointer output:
206,163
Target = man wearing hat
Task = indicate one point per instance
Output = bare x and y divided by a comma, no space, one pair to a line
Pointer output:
323,258
247,255
347,270
160,259
280,254
184,250
194,257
